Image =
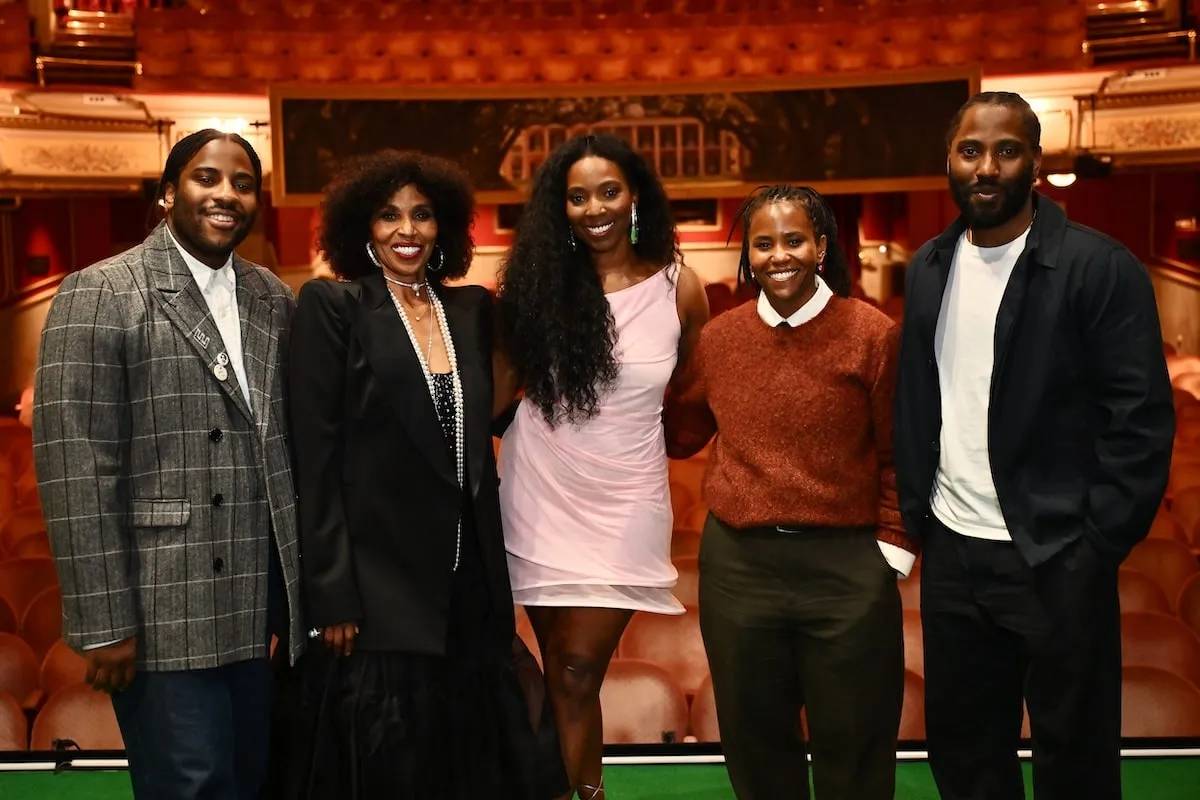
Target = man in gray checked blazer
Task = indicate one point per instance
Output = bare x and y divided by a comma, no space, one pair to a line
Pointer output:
160,439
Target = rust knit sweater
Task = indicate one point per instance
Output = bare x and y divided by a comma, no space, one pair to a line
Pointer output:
802,418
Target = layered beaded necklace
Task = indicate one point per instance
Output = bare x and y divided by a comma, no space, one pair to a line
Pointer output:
439,318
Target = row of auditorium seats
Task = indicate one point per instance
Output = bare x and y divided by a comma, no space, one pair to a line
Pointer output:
253,44
559,14
1159,587
324,51
32,678
212,34
642,703
77,714
185,72
37,619
112,6
42,695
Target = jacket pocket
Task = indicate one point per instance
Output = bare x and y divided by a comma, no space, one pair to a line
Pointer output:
160,513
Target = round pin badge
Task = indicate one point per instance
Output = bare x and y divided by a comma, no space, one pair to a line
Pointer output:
220,371
222,359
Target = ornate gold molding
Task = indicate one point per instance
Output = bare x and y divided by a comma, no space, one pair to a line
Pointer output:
1104,102
69,184
1156,132
1148,132
77,159
54,122
48,111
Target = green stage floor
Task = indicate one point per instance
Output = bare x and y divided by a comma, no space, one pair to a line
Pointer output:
1144,779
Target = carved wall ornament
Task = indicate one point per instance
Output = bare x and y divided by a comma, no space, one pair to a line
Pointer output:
1156,133
77,158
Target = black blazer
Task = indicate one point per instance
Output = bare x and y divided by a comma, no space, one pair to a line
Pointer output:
379,500
1081,417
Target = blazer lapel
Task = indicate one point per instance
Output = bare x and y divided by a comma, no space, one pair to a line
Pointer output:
184,306
389,349
260,339
1012,305
937,269
476,397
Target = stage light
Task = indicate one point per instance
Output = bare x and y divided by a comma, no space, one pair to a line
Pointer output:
1061,179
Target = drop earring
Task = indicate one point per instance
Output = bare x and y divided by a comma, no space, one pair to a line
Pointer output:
441,261
633,226
371,255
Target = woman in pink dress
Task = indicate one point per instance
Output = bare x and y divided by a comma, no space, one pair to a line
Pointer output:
597,314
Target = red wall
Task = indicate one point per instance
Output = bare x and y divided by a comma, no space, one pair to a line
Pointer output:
294,231
42,228
1122,206
75,232
1176,198
1119,206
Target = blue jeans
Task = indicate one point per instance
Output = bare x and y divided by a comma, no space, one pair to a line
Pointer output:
198,734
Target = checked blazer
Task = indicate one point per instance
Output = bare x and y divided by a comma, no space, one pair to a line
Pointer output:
164,494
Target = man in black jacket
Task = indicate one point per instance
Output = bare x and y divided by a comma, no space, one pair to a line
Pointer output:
1033,431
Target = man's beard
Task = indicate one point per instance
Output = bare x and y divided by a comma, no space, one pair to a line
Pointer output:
1013,194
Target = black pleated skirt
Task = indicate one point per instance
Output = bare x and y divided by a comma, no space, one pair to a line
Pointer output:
403,725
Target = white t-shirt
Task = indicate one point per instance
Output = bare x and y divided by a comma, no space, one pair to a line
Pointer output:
964,494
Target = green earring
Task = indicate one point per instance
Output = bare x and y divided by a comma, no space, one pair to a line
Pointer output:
633,231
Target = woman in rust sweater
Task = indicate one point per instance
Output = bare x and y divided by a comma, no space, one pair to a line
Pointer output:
803,543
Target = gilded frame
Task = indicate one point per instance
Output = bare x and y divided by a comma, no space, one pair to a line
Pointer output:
278,93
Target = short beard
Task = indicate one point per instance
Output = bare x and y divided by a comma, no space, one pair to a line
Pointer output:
1016,193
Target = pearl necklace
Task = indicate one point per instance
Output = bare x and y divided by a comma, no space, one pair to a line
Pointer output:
439,316
416,289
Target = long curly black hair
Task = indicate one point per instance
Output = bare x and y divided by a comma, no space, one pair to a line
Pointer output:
834,269
554,318
364,184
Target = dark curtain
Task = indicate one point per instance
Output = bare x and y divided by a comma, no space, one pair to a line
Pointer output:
847,208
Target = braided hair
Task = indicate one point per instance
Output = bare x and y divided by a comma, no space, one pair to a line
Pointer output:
834,270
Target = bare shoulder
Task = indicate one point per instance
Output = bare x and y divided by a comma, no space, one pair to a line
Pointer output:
688,280
691,298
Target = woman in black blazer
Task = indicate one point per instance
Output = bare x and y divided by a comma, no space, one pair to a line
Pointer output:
402,552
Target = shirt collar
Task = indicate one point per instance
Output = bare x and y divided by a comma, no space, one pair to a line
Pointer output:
203,274
815,305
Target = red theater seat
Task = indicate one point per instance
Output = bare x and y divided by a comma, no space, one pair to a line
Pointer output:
672,642
642,704
1140,592
1155,703
78,713
14,726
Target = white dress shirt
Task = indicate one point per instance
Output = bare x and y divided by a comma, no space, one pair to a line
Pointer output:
897,557
219,287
